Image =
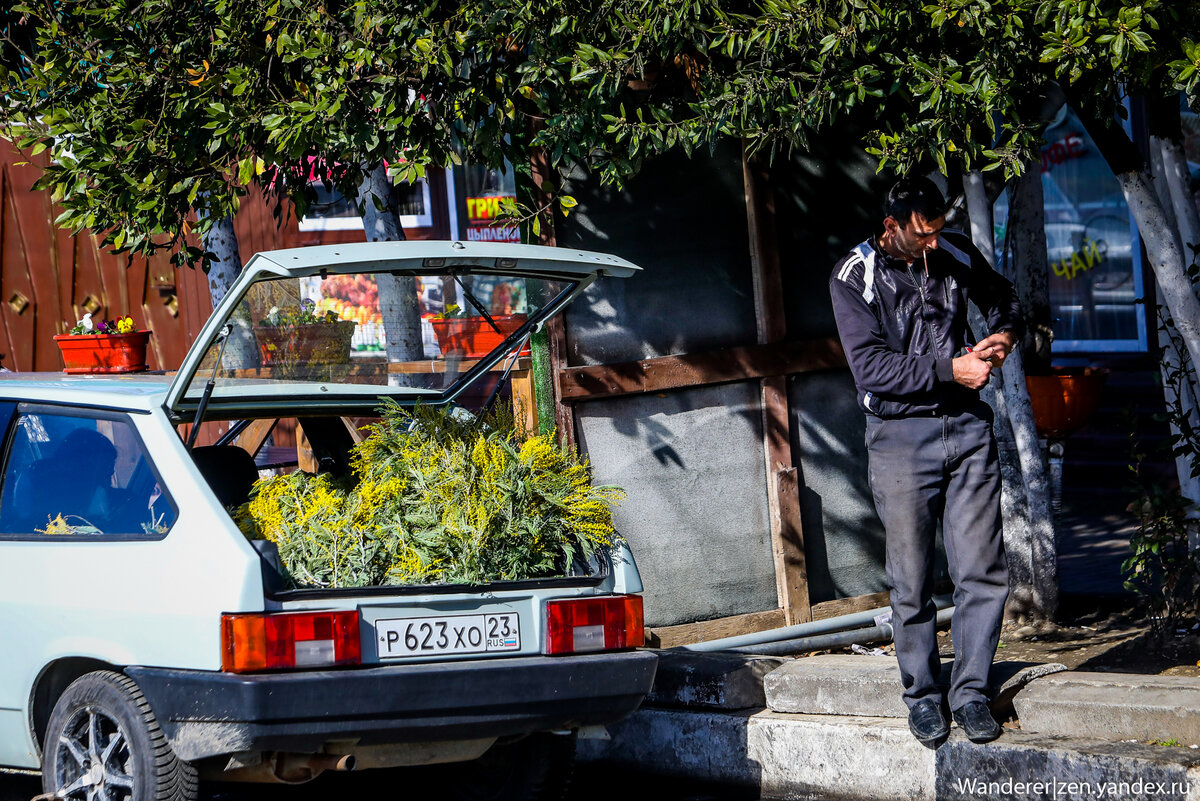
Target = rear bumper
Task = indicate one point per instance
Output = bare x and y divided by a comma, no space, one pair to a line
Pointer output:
208,713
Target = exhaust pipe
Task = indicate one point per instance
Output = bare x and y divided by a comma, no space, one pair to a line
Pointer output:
282,768
323,762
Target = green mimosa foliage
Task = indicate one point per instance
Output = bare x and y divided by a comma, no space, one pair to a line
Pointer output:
436,498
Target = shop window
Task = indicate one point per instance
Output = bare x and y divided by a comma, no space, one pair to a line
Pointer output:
485,193
1092,246
332,211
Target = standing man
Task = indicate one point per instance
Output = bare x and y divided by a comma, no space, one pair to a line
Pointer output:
900,300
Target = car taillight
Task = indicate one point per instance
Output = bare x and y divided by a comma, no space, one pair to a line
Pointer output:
289,640
594,624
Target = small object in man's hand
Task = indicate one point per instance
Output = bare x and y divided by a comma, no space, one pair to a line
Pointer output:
987,359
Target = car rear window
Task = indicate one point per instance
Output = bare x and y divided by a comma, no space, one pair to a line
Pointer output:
81,476
352,332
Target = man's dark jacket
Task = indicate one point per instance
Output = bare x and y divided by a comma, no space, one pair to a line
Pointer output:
901,325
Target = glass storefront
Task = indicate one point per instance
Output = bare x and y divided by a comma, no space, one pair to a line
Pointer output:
1092,244
485,191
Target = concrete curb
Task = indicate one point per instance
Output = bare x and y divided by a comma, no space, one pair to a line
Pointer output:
710,680
1122,706
838,684
793,756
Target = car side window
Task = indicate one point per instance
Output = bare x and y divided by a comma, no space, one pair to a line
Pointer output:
78,475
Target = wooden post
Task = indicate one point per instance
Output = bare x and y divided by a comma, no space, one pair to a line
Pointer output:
523,396
306,460
255,434
556,331
783,498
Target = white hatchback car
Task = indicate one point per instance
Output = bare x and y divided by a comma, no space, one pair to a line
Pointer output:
147,643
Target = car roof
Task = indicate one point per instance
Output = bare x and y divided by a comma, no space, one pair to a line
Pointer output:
137,392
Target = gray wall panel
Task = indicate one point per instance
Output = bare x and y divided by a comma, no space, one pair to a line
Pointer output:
828,199
843,538
684,221
696,513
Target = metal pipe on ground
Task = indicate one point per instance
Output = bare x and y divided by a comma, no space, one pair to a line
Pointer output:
839,639
839,623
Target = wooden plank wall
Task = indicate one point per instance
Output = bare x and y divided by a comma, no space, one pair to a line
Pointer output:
770,362
49,279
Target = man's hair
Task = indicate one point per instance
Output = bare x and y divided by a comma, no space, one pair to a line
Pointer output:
910,196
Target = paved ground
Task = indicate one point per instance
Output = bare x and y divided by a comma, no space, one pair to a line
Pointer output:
592,783
1093,539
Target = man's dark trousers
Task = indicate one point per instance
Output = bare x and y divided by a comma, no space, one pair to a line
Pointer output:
922,469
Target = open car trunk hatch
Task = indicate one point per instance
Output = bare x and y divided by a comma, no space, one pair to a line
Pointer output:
341,327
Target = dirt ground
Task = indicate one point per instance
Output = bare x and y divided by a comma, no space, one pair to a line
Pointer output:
1102,636
1095,634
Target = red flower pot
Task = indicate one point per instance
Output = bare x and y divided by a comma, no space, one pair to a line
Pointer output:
103,353
473,337
1064,401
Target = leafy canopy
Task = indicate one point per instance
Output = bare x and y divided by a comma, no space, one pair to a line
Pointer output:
614,82
154,108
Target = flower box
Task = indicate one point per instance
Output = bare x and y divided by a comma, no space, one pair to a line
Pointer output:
473,337
312,343
103,353
1065,401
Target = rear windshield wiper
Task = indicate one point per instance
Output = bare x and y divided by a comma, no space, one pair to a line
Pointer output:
474,301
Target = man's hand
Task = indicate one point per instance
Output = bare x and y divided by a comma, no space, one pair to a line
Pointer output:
995,348
972,370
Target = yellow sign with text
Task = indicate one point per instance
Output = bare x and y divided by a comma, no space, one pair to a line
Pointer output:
1081,260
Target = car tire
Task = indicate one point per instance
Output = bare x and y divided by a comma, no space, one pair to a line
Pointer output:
535,768
102,734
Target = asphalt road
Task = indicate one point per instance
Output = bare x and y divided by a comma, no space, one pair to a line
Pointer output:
592,783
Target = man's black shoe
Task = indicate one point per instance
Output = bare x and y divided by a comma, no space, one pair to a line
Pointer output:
927,723
977,722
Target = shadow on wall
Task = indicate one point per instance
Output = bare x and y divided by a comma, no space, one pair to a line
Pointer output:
684,221
843,538
827,200
691,463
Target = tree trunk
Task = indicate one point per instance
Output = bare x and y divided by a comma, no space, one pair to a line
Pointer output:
1029,536
1171,181
226,265
397,294
241,351
1165,258
1040,543
979,210
1177,179
1030,268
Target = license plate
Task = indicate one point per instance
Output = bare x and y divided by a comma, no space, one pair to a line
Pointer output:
448,634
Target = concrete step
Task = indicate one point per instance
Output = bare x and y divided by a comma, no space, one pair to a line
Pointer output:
710,680
793,756
1113,705
840,684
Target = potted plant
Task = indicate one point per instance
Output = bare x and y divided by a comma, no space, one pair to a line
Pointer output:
472,336
1065,398
302,336
104,347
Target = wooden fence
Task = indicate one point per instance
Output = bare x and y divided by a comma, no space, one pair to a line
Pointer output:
49,278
